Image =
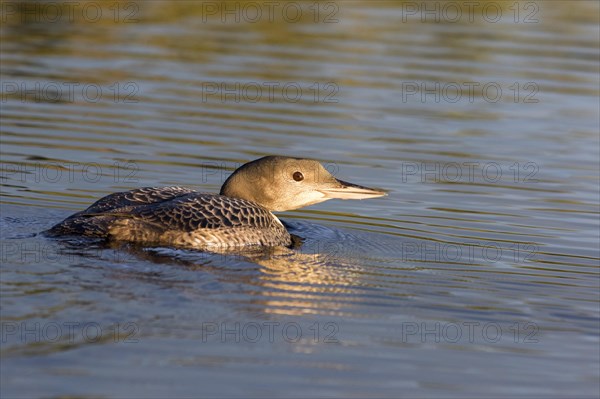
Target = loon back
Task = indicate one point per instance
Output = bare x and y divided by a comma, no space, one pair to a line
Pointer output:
177,216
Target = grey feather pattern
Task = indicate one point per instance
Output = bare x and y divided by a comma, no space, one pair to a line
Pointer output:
177,216
140,196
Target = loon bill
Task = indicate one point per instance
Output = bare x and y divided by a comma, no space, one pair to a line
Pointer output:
240,215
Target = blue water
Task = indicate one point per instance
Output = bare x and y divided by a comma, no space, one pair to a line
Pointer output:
476,276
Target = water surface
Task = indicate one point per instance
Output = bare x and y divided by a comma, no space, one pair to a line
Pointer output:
477,275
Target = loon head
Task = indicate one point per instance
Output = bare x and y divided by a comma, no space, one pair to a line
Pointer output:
283,183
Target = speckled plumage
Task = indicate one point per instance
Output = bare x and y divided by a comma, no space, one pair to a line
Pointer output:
177,216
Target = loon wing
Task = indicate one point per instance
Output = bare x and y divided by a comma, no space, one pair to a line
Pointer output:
96,219
176,216
140,196
205,211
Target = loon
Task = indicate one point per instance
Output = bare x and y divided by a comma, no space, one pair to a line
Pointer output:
239,216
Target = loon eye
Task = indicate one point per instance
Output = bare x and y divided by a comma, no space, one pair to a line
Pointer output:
298,176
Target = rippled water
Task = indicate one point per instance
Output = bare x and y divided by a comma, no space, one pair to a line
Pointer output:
477,274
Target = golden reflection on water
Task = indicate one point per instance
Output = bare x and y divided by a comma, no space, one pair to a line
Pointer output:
294,283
